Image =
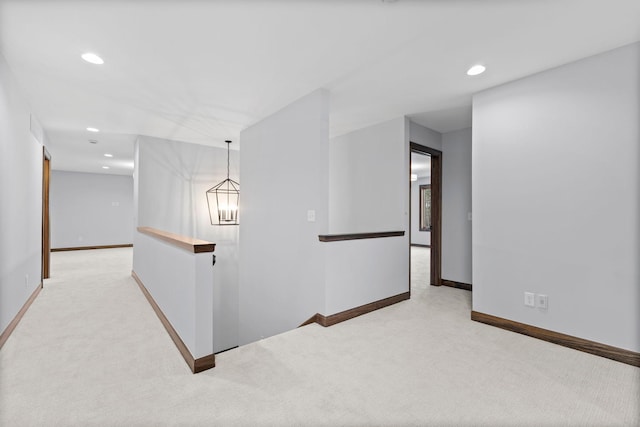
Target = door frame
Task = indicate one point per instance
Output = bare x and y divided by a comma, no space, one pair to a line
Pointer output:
436,209
46,230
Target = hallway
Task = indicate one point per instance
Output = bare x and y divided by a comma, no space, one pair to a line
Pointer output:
91,352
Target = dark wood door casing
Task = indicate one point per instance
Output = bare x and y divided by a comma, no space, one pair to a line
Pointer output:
46,230
436,210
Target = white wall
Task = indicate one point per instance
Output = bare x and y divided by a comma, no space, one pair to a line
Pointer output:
369,191
363,271
425,136
175,177
456,206
21,195
366,178
284,174
418,237
89,209
171,180
181,283
556,156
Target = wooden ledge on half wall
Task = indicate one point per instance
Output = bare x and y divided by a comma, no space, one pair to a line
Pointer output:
190,244
356,236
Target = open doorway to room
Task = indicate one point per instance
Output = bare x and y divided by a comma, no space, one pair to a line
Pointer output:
420,220
425,229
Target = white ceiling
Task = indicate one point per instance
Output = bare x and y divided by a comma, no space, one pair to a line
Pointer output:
201,71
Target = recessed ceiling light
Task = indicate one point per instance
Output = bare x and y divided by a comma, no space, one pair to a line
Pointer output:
93,130
475,70
108,155
92,58
105,167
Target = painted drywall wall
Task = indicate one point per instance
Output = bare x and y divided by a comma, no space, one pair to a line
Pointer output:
21,195
368,166
175,177
181,284
425,136
366,174
418,237
284,175
90,209
456,206
171,179
555,156
363,271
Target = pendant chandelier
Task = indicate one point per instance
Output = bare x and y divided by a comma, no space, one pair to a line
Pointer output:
223,200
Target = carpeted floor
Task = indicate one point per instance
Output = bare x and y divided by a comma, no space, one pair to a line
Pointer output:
91,352
420,268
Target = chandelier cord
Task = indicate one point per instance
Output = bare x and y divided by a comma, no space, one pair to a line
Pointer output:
228,181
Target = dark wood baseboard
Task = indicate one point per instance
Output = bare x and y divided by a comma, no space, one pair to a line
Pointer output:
603,350
355,312
196,365
420,245
312,319
453,284
83,248
12,325
203,363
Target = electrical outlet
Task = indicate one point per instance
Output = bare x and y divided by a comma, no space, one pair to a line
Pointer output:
542,301
529,299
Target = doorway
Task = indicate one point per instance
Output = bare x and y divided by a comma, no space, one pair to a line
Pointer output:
425,232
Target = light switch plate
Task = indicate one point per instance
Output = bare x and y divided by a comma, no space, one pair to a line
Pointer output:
529,299
311,216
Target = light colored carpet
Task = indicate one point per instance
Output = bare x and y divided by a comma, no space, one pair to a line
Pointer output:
91,352
420,268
